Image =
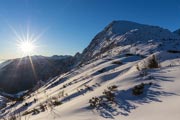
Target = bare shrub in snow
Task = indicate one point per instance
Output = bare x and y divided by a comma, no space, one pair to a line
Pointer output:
153,63
138,89
109,95
56,103
13,117
26,113
35,111
42,107
113,88
117,62
94,102
137,67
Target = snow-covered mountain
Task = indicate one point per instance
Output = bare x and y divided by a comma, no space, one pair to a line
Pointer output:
127,35
129,71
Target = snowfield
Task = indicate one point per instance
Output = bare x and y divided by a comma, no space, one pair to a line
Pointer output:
159,101
127,66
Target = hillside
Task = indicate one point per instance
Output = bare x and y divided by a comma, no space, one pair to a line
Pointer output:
23,73
129,71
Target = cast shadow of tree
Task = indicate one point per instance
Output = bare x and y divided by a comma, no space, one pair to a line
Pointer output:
125,101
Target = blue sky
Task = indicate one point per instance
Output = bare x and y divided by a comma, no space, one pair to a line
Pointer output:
70,25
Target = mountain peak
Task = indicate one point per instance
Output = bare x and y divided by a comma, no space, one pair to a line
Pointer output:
123,33
122,26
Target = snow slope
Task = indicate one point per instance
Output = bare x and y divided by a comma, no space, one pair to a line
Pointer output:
160,101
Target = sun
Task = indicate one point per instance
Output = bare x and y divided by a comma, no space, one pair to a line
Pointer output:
27,42
27,47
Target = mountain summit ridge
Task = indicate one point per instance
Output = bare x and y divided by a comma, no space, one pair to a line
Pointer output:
119,33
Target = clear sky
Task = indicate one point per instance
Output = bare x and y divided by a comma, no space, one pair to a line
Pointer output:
68,26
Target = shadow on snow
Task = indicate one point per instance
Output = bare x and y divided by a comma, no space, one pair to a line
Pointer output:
125,101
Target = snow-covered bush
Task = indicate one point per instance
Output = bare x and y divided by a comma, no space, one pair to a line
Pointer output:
148,63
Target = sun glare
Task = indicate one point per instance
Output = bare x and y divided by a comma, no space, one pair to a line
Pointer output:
26,47
26,42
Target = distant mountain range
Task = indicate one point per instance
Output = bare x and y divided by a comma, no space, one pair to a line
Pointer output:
23,73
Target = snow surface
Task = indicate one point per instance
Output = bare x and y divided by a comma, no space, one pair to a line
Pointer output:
161,100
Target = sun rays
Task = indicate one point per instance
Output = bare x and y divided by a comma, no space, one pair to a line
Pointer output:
27,45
